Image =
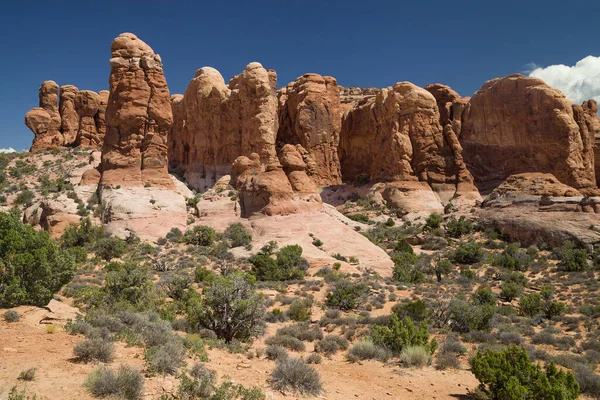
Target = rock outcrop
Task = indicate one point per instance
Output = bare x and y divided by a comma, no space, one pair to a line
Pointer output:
310,116
519,124
68,113
279,188
78,119
588,120
215,123
44,121
397,137
138,117
137,194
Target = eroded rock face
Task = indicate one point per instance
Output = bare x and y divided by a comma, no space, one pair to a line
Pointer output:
68,113
276,189
137,194
216,123
44,121
397,136
138,117
519,124
310,116
587,118
78,119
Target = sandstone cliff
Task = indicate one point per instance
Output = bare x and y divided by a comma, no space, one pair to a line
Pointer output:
310,116
519,124
397,137
215,123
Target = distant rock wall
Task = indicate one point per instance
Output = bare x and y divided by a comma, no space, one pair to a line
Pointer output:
67,116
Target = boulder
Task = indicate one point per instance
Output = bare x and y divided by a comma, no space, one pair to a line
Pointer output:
310,116
520,124
215,123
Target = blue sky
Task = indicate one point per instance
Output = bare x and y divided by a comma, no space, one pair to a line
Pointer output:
361,43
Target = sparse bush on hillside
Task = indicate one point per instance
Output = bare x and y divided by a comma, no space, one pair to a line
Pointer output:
11,316
95,349
510,291
81,235
130,283
406,269
110,247
459,227
331,344
237,235
125,383
468,253
292,374
300,310
32,266
166,358
232,308
416,310
401,333
434,221
287,264
24,198
513,258
367,350
346,295
415,356
201,235
509,374
571,258
464,317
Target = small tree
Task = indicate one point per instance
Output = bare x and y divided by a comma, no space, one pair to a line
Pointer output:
346,295
434,221
468,253
459,227
509,374
110,247
571,258
32,267
237,235
201,235
232,308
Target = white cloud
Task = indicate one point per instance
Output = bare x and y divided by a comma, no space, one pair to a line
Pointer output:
9,150
579,83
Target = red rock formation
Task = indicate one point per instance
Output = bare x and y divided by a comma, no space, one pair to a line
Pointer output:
587,118
216,123
397,136
100,118
310,116
519,124
68,114
87,104
138,117
277,188
44,121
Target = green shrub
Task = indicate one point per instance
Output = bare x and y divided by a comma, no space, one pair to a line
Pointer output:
27,375
465,317
510,290
203,274
484,296
287,264
346,295
130,283
125,383
276,352
292,374
531,304
201,236
415,356
200,384
82,234
406,269
109,248
468,253
331,344
237,235
513,258
94,349
445,360
459,227
300,310
416,310
401,333
166,358
232,308
11,316
32,266
509,374
434,221
402,246
285,341
589,382
24,198
571,258
367,350
359,218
